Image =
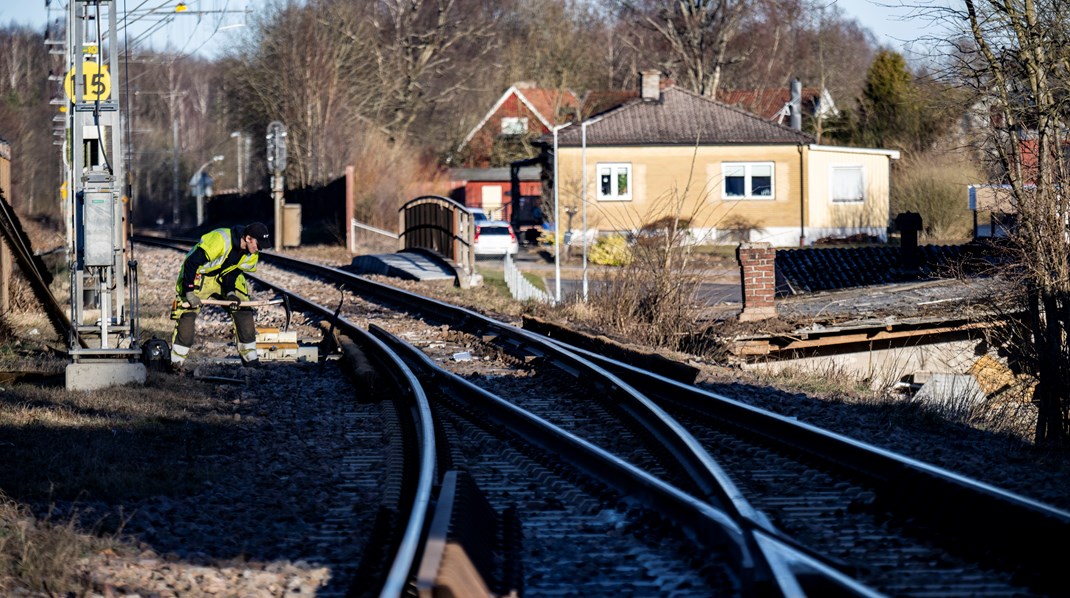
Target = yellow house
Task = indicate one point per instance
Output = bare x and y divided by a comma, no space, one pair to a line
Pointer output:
732,175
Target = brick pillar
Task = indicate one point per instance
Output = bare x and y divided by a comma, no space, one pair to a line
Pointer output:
351,236
757,276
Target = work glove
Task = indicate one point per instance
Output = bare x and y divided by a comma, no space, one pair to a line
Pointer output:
234,298
193,300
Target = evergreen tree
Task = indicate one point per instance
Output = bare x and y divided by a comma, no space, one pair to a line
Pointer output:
888,110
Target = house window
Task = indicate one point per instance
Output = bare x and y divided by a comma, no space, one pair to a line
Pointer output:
514,125
847,183
748,180
614,182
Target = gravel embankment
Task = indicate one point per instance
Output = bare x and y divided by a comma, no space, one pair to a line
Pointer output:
277,518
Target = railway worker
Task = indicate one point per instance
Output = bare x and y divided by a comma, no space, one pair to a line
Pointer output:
215,269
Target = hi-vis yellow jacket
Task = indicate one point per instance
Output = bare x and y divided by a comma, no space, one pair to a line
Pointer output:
218,254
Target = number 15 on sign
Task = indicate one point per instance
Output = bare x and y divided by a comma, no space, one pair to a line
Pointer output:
96,81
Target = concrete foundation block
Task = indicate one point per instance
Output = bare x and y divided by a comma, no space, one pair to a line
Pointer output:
96,375
754,314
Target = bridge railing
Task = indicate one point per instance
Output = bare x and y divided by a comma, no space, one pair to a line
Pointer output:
440,225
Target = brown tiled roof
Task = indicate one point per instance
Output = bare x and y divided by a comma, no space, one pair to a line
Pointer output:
766,103
681,117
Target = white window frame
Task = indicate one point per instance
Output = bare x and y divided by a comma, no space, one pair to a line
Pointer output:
615,170
861,182
514,125
748,185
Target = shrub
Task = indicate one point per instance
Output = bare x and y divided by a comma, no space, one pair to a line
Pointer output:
610,251
934,185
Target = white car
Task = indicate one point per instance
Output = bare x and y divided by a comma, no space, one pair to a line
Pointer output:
478,215
494,237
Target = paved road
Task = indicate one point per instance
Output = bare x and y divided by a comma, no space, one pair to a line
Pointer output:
723,286
712,293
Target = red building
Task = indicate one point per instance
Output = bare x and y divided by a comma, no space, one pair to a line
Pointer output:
522,114
492,190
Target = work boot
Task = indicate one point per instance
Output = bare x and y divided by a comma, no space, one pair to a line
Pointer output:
252,363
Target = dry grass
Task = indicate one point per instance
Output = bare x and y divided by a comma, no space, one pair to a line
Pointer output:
71,449
66,451
934,186
1009,413
36,554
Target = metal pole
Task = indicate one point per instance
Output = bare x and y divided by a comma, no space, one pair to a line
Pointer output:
200,192
277,193
199,178
583,199
238,137
174,167
557,226
241,183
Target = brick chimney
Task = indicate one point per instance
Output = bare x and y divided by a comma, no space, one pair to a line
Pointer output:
650,85
757,265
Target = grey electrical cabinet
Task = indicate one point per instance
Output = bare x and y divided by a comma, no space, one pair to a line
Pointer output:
99,228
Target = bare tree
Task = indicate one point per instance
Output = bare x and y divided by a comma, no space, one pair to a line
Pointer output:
696,34
424,50
1021,65
808,39
549,41
26,121
301,71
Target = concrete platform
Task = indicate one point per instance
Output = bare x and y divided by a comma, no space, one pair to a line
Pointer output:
407,265
90,375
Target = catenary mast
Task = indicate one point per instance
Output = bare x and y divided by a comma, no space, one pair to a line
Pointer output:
103,277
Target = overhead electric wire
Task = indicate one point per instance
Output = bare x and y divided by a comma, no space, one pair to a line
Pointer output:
219,22
152,11
168,18
127,22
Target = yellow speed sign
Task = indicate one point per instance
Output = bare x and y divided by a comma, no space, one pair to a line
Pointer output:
95,79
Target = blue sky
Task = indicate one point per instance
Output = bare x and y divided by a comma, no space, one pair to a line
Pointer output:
889,20
207,27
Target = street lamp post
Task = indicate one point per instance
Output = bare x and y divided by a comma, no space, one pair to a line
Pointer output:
583,201
201,188
557,222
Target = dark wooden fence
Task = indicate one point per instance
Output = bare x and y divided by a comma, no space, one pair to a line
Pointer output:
323,211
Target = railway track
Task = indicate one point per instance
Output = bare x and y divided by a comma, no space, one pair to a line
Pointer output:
789,508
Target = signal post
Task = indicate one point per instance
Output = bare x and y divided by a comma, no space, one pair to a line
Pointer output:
276,161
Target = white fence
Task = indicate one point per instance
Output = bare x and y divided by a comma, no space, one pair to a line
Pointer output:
520,287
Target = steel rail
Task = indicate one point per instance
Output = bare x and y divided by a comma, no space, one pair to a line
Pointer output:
701,468
708,525
983,512
409,550
714,484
